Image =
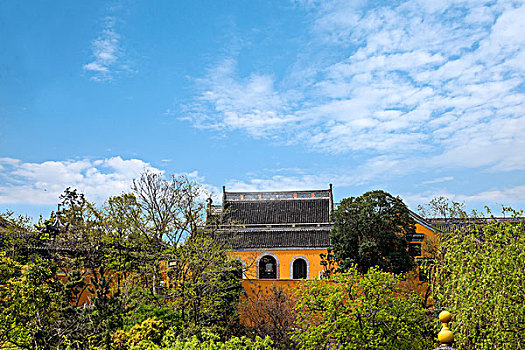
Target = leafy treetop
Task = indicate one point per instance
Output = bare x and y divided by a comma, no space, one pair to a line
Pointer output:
371,230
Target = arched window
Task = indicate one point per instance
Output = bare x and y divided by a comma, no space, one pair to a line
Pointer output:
299,269
267,267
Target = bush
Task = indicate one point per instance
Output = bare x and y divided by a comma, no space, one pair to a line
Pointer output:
149,335
149,332
211,342
361,311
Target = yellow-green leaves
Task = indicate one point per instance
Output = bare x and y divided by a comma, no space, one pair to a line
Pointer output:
481,280
360,311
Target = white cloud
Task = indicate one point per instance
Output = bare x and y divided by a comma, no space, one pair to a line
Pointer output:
299,179
251,104
437,82
9,161
42,183
503,196
438,180
295,178
280,183
493,198
107,53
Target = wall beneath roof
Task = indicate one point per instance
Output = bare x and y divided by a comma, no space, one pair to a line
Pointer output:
429,235
285,259
254,286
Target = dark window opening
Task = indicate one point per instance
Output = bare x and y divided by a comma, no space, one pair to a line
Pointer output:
322,194
423,274
267,267
424,265
418,237
299,269
414,249
233,196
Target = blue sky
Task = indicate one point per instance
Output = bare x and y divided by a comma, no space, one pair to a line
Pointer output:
419,98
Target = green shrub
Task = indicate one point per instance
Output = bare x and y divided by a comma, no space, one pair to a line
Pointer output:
360,311
149,335
141,336
212,342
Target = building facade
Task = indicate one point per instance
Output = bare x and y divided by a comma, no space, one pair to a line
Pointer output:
280,235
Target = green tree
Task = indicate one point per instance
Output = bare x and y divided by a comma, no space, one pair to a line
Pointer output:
202,286
151,334
172,210
371,230
360,311
479,277
39,310
145,252
212,341
76,235
30,298
203,283
127,248
443,208
17,234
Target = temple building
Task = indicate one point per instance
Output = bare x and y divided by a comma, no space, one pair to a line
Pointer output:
281,235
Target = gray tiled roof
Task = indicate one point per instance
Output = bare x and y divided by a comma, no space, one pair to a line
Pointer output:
284,219
450,224
259,239
278,211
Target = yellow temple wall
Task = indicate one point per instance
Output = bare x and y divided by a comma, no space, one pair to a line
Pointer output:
429,234
284,260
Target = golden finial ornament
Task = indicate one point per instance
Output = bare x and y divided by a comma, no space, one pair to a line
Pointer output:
445,336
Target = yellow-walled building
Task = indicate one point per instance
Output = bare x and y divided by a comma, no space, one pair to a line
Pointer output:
279,236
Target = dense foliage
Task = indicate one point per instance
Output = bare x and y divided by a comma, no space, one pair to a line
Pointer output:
360,311
29,301
480,278
371,230
78,277
39,309
142,272
153,335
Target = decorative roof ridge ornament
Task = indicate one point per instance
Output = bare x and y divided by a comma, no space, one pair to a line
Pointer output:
56,226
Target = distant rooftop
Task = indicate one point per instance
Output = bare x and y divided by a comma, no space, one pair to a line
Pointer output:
448,224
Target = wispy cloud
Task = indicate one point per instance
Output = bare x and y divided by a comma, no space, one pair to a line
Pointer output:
438,180
107,53
493,198
295,178
281,183
251,104
438,81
